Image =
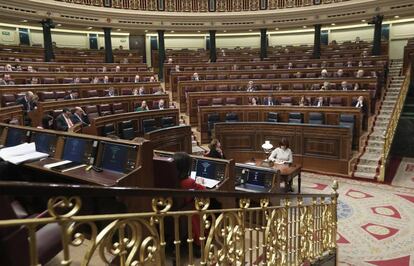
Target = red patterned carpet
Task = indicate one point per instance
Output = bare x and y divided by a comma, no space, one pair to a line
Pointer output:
376,222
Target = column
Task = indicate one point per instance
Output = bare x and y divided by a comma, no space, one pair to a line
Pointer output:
376,48
47,24
213,53
109,57
161,54
317,42
263,44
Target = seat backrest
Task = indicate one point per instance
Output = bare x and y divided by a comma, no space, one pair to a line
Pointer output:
335,101
295,117
117,108
8,99
245,76
222,87
285,75
149,125
221,77
231,101
126,130
77,69
91,69
167,121
270,76
210,88
272,117
232,117
311,75
49,80
347,120
233,76
126,91
92,93
266,87
210,77
43,69
108,129
202,102
217,101
316,118
46,96
104,109
67,80
286,100
60,95
91,111
165,173
85,80
257,76
298,86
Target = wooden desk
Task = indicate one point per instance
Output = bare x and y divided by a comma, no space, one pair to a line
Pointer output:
80,175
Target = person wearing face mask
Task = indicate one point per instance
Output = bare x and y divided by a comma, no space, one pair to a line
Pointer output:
282,154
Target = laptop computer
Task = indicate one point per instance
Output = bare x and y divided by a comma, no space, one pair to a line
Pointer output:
255,181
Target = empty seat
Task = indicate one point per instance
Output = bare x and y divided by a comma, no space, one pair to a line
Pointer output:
245,76
46,96
117,108
266,87
231,101
347,120
287,101
311,75
126,91
149,125
233,76
202,102
210,77
126,130
104,109
211,120
92,93
167,121
131,69
60,95
156,90
295,118
270,76
285,75
257,76
335,101
85,80
316,118
118,79
8,99
272,117
49,80
217,101
221,77
77,69
91,111
232,117
91,69
108,130
43,69
222,88
298,86
67,80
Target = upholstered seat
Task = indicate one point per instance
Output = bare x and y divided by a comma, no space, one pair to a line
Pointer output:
316,118
295,118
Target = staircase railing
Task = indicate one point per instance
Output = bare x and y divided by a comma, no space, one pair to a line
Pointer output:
264,228
392,126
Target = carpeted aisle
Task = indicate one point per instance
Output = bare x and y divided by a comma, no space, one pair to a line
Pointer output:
404,176
376,222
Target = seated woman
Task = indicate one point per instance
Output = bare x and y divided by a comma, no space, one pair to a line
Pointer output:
143,107
253,101
282,154
215,149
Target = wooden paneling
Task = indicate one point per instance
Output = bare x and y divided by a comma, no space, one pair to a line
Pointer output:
173,139
316,147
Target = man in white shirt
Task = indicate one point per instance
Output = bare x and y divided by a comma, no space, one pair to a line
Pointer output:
344,85
360,102
161,105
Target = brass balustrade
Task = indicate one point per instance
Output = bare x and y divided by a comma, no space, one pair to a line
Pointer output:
203,5
392,126
302,228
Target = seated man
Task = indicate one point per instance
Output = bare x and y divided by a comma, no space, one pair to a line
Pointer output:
360,102
79,116
105,80
344,86
324,73
8,68
268,101
319,102
95,80
136,79
6,80
117,69
250,86
195,77
30,69
111,92
339,73
161,104
28,101
360,73
34,81
70,96
177,68
143,107
325,86
63,121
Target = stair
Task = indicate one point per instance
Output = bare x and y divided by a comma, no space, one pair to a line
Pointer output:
370,159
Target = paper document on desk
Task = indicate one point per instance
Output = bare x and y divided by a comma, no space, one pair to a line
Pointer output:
207,182
21,153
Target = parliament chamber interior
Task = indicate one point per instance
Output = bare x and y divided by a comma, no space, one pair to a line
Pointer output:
206,132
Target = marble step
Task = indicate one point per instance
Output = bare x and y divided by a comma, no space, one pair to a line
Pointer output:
364,175
375,143
382,117
374,150
378,137
366,168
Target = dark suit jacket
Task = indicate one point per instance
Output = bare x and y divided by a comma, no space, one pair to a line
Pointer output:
67,97
266,101
61,123
215,154
27,105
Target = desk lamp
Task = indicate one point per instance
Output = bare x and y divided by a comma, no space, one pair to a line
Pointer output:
267,148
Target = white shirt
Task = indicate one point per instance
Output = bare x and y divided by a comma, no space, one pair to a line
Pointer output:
280,155
359,104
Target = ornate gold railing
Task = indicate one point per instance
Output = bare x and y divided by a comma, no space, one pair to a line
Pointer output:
392,126
202,5
259,231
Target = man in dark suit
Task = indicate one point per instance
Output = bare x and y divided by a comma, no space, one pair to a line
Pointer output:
79,116
268,101
70,96
63,121
27,101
